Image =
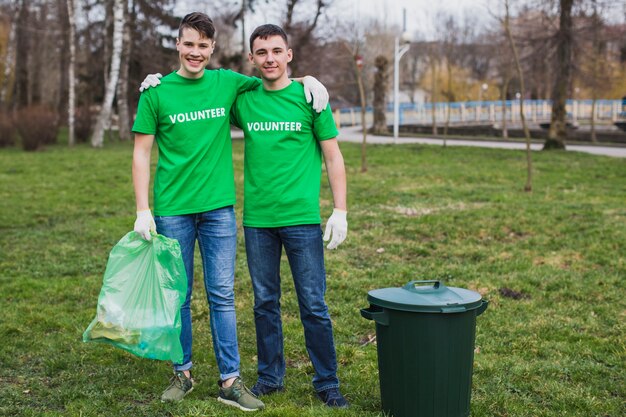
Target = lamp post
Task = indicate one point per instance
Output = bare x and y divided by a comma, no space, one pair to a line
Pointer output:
399,50
483,89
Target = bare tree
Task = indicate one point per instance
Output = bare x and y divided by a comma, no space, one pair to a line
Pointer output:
357,60
557,134
595,70
449,47
21,94
232,19
507,28
381,83
105,113
301,32
358,65
9,58
71,71
434,59
123,110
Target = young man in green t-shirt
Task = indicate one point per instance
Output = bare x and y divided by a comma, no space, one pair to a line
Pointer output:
194,193
284,143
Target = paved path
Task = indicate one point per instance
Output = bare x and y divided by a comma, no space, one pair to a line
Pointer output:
354,134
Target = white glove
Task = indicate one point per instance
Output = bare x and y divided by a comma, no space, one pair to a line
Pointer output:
337,224
152,80
315,90
145,224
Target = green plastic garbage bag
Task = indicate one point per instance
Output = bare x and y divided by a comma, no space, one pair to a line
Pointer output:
144,286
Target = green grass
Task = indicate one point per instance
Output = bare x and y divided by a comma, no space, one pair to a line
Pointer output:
421,212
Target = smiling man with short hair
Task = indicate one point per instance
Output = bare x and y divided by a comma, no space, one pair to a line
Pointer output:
194,193
284,143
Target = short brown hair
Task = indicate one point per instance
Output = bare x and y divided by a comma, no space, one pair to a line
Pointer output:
265,31
197,21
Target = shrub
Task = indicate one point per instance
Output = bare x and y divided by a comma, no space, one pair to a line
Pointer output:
37,126
7,130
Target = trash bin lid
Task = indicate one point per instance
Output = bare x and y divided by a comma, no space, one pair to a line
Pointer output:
432,298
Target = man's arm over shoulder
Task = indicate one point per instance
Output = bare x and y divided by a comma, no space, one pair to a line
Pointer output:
242,82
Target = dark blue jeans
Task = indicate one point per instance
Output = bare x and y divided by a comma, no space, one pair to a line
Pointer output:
216,233
305,251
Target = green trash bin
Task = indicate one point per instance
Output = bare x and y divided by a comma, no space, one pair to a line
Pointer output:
425,335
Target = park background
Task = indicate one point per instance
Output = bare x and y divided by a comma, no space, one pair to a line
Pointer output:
540,235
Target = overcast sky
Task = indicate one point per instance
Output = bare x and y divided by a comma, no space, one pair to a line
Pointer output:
421,21
420,14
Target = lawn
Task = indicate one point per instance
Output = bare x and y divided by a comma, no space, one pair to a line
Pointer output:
551,263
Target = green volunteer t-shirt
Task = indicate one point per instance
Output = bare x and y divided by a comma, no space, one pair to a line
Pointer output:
190,121
283,158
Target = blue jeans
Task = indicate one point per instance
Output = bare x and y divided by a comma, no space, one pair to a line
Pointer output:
305,251
216,233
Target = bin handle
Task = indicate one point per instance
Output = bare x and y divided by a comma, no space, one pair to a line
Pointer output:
413,287
480,310
375,313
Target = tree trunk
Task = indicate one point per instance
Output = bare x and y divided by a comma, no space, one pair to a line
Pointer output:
9,60
505,89
557,135
71,79
244,56
22,49
108,36
105,113
63,22
594,138
529,164
301,33
359,80
448,96
380,89
433,95
122,86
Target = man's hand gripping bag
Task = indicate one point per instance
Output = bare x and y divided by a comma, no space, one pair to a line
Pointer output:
143,288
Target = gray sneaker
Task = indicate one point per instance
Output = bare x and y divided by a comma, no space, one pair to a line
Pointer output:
238,395
180,386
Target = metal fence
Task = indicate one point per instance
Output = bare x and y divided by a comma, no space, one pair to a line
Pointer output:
487,112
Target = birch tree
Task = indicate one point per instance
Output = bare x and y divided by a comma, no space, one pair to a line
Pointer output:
71,70
9,59
105,113
122,86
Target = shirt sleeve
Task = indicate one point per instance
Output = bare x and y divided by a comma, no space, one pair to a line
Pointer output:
245,83
147,120
324,127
